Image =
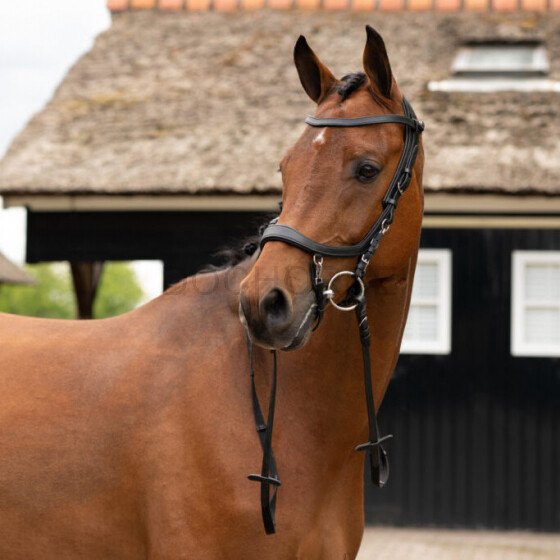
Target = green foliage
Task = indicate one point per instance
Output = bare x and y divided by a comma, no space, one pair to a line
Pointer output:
118,291
53,294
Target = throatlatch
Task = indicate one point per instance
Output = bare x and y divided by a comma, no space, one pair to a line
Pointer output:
354,300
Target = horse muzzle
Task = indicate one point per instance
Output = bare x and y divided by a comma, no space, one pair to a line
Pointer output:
276,320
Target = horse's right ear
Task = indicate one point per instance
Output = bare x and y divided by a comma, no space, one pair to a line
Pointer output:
315,77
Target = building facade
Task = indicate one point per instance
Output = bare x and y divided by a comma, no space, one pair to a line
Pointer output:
163,142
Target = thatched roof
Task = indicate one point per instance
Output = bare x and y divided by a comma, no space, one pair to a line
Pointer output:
12,274
208,102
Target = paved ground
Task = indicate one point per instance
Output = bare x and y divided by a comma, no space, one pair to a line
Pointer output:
431,544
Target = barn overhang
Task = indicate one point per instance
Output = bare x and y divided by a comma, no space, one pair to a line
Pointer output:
442,209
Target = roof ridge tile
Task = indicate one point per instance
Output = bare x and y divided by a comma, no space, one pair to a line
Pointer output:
357,5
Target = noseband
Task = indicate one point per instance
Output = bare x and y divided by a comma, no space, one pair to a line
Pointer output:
355,299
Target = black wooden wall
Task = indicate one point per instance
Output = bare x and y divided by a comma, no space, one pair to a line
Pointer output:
184,241
477,433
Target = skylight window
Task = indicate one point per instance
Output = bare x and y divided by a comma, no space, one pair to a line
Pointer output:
501,59
499,66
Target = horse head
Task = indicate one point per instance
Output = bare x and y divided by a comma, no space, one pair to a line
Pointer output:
335,187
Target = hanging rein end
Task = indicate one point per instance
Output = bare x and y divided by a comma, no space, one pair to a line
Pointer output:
268,508
378,459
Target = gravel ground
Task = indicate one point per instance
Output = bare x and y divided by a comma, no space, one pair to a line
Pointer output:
432,544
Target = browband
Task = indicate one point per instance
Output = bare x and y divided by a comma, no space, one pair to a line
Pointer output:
364,121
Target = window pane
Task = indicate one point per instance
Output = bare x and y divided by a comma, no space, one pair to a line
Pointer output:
528,59
542,325
542,282
422,323
500,58
428,328
426,281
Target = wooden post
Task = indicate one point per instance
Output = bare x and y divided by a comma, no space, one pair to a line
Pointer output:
85,276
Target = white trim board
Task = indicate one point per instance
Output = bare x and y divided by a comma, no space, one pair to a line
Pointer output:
462,210
108,203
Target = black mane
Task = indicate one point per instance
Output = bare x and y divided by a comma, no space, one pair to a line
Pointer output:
231,256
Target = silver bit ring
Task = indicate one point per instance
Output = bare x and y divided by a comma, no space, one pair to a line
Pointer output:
330,293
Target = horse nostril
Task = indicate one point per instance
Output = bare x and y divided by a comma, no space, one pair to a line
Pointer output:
276,310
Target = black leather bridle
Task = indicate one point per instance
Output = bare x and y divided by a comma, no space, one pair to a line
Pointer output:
355,300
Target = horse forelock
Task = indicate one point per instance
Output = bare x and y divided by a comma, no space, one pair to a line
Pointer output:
351,83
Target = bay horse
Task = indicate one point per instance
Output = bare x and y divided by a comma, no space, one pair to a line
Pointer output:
132,438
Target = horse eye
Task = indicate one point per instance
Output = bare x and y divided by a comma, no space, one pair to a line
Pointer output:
366,172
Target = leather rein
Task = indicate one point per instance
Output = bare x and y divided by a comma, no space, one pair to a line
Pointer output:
355,300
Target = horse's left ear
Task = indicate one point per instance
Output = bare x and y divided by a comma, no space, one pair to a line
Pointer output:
376,63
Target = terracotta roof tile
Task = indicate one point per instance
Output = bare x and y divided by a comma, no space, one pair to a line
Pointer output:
534,5
448,5
117,5
251,4
356,5
171,4
143,4
307,4
476,5
505,5
391,5
279,4
362,5
224,5
335,4
420,4
194,5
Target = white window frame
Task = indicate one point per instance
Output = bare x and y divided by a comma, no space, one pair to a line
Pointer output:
468,77
538,65
441,345
519,345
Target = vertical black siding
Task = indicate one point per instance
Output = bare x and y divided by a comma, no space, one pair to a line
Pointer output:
477,433
184,241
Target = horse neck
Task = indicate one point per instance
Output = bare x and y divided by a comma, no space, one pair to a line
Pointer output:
320,386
